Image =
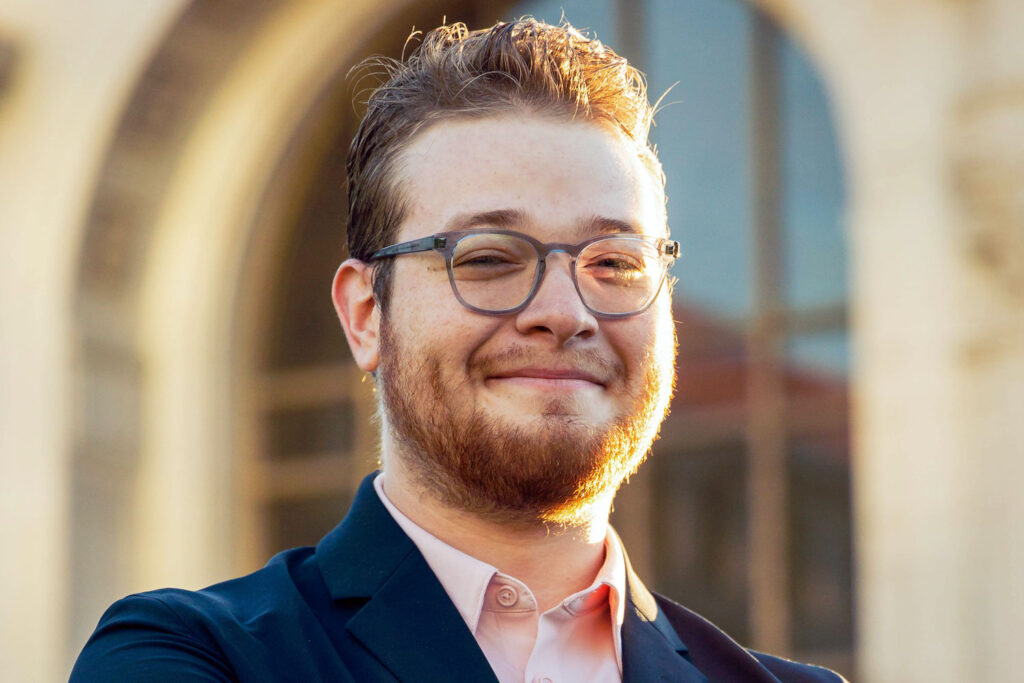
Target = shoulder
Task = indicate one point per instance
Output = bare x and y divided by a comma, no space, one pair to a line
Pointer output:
718,655
150,637
194,635
797,672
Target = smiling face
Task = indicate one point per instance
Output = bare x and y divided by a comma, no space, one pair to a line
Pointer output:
537,413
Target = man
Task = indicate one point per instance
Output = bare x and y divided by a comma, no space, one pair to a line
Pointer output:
508,290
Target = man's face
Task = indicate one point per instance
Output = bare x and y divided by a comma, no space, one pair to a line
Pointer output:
536,414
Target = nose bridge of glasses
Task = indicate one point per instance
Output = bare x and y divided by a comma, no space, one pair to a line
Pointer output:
557,249
551,250
567,275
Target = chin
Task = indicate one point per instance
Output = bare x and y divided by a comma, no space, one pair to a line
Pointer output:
516,456
576,409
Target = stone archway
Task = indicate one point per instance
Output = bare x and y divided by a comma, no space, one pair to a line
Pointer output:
187,173
130,190
927,101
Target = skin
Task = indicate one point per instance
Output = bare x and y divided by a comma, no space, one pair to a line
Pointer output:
558,176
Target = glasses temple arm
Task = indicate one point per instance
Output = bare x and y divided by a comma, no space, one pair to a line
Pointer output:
422,244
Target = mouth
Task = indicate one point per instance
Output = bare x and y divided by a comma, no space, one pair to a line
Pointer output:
550,379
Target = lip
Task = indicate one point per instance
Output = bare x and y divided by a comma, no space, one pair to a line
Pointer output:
567,378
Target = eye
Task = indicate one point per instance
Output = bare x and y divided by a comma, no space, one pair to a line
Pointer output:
616,262
485,258
613,264
489,264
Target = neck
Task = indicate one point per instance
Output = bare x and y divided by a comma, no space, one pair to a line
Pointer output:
554,562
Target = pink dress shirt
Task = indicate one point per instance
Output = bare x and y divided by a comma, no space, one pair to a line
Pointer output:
578,640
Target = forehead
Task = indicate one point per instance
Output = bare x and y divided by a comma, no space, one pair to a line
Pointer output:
561,179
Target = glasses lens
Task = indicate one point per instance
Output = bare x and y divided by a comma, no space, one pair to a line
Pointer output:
494,272
619,274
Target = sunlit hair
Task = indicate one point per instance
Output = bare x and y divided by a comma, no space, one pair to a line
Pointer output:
524,65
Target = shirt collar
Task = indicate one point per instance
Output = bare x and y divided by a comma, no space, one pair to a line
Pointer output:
466,578
613,575
463,577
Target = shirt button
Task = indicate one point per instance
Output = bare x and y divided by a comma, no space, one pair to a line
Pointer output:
543,679
507,596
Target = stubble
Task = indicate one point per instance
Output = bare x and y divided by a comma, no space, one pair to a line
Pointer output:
550,471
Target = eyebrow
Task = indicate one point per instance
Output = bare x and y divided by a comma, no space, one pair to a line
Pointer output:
511,218
603,224
499,218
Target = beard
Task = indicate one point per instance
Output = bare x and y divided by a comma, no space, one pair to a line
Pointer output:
554,470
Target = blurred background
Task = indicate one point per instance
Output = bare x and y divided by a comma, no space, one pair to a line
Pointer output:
840,478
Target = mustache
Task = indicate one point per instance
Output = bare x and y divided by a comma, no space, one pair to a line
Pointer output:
589,361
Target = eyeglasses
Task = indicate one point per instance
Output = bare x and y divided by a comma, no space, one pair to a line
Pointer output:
498,272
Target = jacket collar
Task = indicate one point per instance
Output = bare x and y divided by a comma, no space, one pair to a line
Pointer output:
359,556
651,649
410,625
407,622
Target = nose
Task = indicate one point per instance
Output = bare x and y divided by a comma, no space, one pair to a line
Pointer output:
556,308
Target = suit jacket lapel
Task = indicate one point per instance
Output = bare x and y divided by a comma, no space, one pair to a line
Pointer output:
412,626
651,649
408,621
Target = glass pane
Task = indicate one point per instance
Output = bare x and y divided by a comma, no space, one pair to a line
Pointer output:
820,356
711,366
494,272
312,430
305,328
702,134
700,504
292,523
821,551
813,198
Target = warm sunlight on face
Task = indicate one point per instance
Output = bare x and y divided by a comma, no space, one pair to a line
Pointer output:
540,412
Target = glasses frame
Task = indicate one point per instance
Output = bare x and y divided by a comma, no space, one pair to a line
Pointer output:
445,244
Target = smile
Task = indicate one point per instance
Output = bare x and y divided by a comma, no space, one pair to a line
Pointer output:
549,379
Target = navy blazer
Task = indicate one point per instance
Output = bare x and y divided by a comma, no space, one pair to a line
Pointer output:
365,606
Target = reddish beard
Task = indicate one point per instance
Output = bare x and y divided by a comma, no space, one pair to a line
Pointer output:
553,472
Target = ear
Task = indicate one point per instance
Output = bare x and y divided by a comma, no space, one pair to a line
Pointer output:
357,310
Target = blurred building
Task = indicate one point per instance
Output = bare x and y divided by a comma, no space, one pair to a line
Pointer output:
839,479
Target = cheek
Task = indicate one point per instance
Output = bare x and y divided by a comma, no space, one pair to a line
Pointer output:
421,297
644,341
665,328
420,278
437,327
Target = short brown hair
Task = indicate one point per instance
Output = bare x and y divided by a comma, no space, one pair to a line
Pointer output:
524,64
